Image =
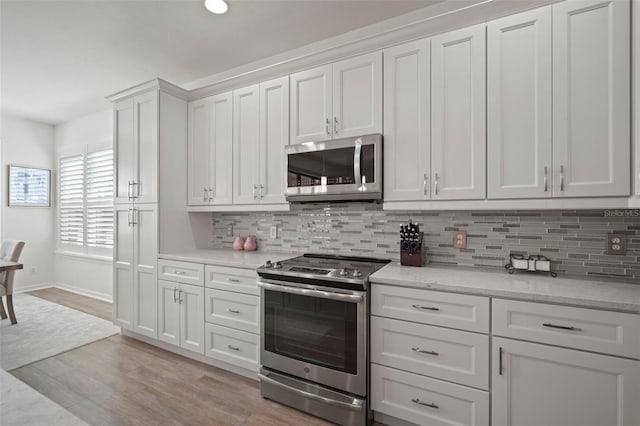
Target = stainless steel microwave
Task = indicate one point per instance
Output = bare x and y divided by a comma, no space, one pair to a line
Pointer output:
348,169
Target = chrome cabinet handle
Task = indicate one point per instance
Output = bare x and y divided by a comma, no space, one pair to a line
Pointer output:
233,348
436,184
134,193
233,280
261,189
500,361
335,125
546,187
129,218
425,352
326,126
179,272
255,191
180,299
561,177
212,193
129,193
134,216
426,404
424,184
233,311
426,308
561,327
175,299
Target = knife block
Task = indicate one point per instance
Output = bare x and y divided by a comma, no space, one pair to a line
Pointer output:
412,258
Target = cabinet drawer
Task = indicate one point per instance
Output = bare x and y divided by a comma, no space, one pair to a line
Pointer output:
607,332
233,346
431,307
232,279
402,395
182,272
457,356
235,310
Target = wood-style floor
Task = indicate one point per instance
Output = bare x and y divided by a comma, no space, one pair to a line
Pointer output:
122,381
88,305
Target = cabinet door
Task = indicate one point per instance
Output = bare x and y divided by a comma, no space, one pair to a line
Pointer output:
407,116
145,229
591,101
246,139
222,148
545,385
124,150
123,267
192,318
311,105
274,137
458,110
357,96
636,96
145,130
519,105
168,312
199,155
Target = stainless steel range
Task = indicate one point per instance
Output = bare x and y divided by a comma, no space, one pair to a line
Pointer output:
314,340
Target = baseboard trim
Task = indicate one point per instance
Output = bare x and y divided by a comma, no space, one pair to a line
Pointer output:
84,292
32,287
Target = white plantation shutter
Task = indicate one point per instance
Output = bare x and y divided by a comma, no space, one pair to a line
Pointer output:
86,202
72,200
100,198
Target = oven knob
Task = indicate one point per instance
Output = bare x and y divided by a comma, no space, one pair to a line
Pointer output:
343,272
268,265
277,265
357,273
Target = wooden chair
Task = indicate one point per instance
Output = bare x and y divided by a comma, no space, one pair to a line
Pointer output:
10,251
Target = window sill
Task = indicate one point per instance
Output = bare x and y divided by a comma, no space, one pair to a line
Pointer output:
92,257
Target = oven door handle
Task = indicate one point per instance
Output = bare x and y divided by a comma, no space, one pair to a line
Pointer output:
313,293
355,406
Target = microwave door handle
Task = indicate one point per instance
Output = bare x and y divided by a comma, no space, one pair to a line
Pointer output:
356,163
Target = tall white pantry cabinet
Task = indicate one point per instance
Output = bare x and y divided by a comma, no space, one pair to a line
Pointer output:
146,117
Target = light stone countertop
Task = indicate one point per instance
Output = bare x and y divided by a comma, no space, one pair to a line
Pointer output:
537,287
234,259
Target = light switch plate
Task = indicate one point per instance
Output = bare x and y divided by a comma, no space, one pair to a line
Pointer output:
273,232
617,244
460,239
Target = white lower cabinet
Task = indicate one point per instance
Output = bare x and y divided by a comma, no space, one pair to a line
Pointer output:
232,315
181,315
535,384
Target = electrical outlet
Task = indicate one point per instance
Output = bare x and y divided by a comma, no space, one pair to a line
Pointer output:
273,232
460,239
33,270
230,230
616,244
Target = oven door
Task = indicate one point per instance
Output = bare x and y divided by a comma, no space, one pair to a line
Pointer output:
315,333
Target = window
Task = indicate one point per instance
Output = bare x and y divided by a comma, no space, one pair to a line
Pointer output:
86,202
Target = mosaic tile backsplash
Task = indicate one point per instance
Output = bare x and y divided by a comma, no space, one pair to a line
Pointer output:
575,241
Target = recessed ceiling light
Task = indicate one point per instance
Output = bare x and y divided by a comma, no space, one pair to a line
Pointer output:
216,6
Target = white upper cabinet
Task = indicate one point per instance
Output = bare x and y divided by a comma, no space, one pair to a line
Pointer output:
246,144
636,94
407,131
519,102
591,98
357,96
458,110
210,150
199,181
274,137
337,100
261,132
136,148
311,108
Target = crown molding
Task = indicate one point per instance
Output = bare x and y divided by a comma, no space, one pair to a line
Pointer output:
155,84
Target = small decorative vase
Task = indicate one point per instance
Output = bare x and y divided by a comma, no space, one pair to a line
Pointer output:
238,243
250,243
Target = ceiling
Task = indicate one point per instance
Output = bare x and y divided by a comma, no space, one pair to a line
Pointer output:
60,58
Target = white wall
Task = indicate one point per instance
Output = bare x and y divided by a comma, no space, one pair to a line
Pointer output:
87,276
29,143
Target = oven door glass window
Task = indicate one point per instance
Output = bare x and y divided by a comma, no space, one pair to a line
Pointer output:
310,329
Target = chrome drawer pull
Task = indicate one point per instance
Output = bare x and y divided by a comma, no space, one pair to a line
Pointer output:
233,311
179,272
233,280
426,308
562,327
426,404
425,352
233,348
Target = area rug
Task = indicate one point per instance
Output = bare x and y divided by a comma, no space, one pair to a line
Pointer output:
45,329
